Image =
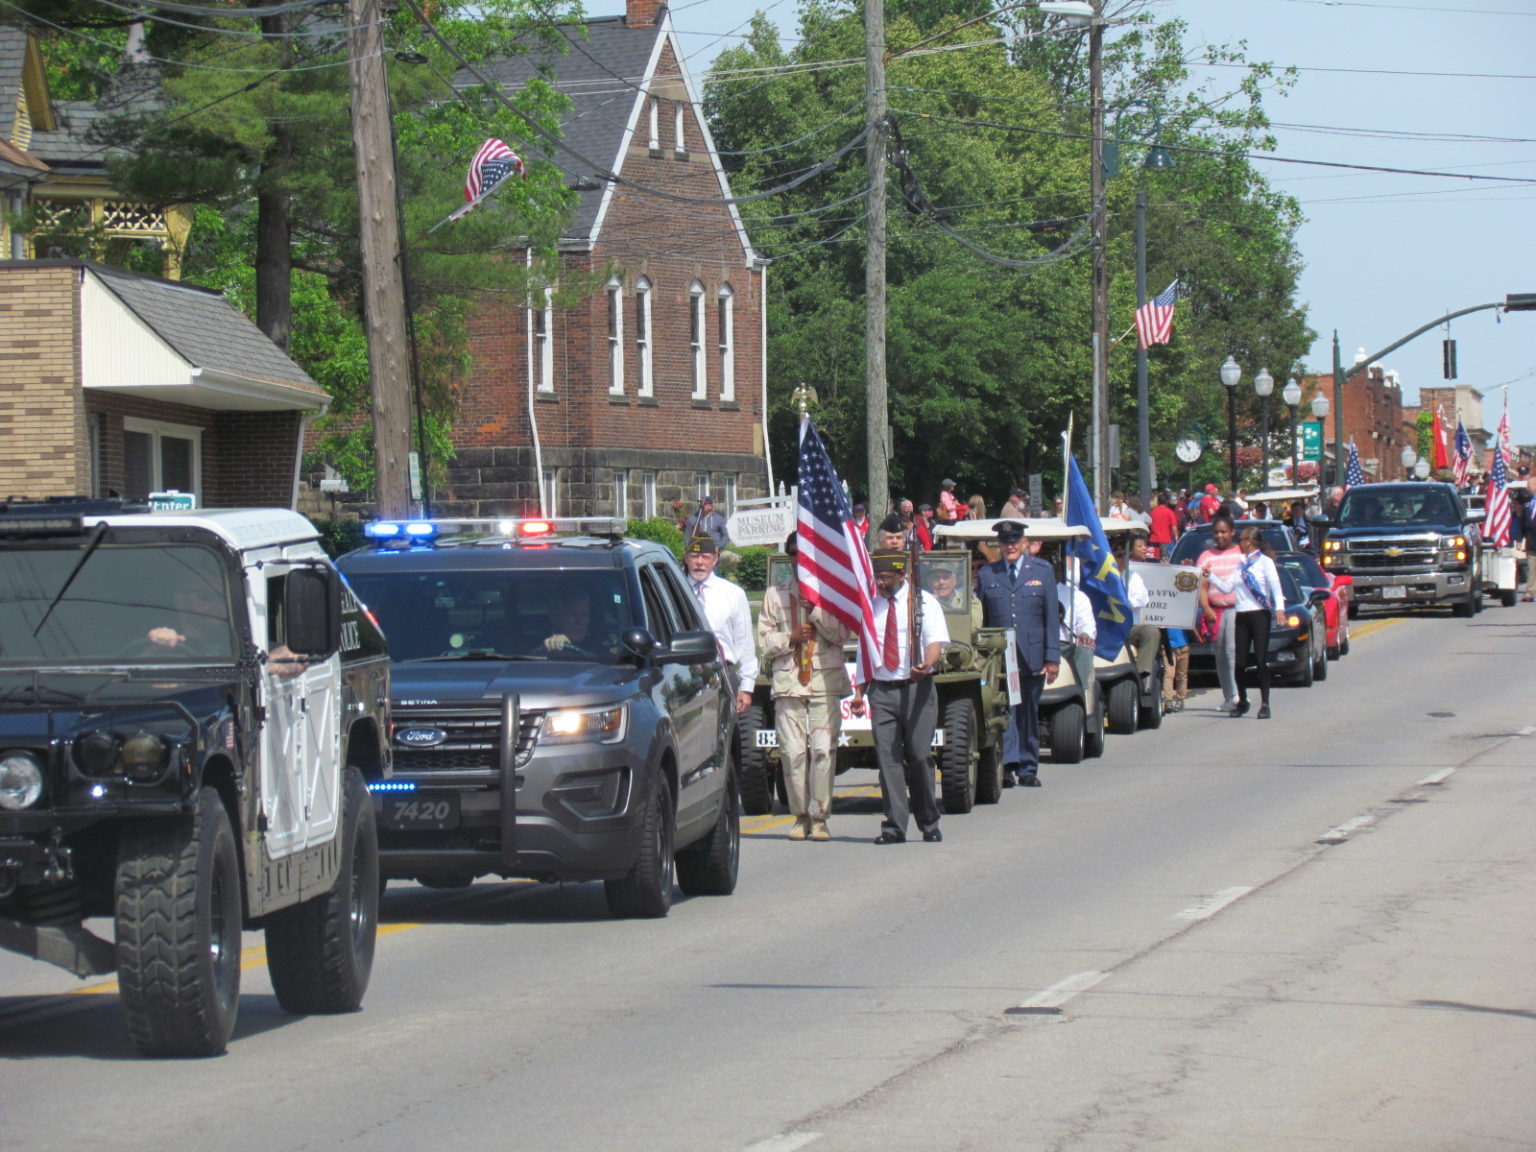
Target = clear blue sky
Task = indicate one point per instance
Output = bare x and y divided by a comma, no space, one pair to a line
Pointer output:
1392,85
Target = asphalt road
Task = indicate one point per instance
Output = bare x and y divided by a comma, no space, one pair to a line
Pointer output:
1310,932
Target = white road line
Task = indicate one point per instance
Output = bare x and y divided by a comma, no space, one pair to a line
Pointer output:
786,1142
1439,777
1208,908
1341,833
1527,730
1050,1001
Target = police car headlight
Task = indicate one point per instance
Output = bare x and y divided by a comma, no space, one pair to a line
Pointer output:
21,780
574,725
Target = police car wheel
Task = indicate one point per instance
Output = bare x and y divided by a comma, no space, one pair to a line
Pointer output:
709,867
178,920
646,893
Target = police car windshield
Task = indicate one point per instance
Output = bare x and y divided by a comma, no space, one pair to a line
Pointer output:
495,614
127,604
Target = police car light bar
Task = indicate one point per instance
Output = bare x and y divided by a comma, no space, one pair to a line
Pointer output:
532,528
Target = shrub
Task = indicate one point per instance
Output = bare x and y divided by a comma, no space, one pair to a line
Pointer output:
339,534
752,569
660,530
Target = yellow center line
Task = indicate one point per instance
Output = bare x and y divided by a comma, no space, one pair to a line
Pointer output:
755,825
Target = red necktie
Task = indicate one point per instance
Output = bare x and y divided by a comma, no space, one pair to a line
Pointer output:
892,651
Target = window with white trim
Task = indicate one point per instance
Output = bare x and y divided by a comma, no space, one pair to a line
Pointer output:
648,495
696,340
643,336
681,145
615,337
655,125
727,338
621,494
543,339
161,457
551,491
701,484
730,495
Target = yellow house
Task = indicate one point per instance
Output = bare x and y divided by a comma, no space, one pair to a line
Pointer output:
47,164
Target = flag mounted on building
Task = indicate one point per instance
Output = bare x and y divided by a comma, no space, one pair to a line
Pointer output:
831,561
492,164
1100,574
1462,463
1154,319
1353,473
1496,525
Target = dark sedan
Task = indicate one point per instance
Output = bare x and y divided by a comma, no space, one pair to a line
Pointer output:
1277,534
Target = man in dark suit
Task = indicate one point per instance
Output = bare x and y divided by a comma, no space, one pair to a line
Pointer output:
1019,592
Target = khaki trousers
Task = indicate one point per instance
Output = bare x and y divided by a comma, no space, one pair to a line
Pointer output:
1176,674
807,727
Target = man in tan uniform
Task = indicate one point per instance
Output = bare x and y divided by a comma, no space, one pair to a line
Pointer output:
807,717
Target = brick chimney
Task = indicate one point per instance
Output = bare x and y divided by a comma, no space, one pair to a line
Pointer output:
642,13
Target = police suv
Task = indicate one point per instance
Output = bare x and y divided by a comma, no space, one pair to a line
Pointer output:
561,711
192,705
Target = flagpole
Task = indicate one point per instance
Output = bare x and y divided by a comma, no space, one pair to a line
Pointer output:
1066,454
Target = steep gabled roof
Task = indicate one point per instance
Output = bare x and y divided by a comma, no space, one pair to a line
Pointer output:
606,72
21,67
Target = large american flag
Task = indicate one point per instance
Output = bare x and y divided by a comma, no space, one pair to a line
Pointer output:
1154,319
1463,457
1353,474
1496,524
491,165
831,561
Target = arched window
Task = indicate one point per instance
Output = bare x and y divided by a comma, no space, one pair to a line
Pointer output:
696,340
726,335
615,337
643,336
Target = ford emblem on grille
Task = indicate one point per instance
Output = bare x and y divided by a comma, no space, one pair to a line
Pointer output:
421,737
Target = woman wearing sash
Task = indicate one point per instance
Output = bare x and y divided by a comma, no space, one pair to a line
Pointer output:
1259,599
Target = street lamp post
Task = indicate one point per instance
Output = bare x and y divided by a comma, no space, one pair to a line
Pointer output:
1320,410
1291,394
1231,373
1264,385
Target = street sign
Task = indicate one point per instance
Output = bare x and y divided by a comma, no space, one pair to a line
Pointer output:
172,501
1311,441
768,525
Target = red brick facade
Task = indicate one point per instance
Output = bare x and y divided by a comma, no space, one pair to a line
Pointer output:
1373,418
689,256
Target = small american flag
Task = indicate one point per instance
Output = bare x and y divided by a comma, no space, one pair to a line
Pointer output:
1154,319
830,559
1504,442
1463,463
1496,526
491,165
1352,471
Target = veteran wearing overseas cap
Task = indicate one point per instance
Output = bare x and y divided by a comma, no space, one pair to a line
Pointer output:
1018,591
903,704
725,609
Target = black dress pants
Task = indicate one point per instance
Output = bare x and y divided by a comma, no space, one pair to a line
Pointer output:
1252,628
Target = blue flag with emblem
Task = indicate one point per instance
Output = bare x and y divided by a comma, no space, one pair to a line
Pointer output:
1100,575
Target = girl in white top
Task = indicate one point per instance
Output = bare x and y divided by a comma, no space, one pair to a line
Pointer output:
1260,599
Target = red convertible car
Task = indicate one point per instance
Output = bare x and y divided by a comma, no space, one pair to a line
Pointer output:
1310,574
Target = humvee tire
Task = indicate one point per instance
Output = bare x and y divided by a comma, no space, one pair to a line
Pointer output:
989,774
320,952
178,919
957,760
757,772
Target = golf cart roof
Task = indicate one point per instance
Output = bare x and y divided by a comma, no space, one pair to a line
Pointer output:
1036,528
1269,496
1119,525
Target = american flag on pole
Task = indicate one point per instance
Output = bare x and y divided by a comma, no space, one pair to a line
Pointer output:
1505,442
830,558
1463,456
491,165
1352,472
1154,319
1496,525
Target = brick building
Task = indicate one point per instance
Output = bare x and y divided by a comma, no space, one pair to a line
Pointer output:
1373,418
115,382
651,388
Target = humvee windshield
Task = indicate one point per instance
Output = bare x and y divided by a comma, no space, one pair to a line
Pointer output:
63,602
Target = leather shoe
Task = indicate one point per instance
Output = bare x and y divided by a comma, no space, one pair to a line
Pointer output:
1009,771
1263,712
889,837
932,835
1028,780
1240,708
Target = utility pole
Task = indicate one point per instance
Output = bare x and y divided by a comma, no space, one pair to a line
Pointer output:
1143,406
876,409
1100,244
383,286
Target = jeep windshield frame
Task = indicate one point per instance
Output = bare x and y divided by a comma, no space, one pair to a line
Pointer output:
142,599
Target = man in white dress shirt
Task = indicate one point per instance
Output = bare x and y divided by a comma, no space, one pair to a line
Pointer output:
903,704
726,611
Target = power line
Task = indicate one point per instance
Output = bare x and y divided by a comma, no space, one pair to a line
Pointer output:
1374,71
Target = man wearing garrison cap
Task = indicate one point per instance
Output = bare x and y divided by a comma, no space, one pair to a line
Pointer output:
903,705
1018,591
726,611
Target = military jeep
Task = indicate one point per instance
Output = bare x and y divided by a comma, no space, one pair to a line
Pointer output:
972,691
191,707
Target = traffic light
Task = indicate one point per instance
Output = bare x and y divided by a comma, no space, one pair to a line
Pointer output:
1448,359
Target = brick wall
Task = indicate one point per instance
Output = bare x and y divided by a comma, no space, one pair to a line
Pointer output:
44,445
584,429
1373,417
